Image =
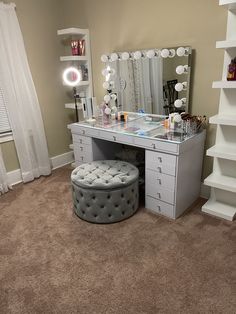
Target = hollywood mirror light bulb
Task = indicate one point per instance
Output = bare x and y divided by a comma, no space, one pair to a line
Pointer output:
125,55
104,58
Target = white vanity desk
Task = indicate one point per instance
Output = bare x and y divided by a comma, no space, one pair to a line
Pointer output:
173,161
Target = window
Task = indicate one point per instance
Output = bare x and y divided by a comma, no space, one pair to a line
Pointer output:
4,121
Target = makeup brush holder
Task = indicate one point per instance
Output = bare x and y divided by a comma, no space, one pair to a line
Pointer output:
189,127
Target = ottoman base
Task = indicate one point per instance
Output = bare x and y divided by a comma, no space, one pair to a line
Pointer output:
105,206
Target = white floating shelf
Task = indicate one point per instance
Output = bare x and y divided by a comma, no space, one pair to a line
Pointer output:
219,209
72,106
74,58
230,4
223,119
226,44
224,84
216,180
72,31
81,83
222,151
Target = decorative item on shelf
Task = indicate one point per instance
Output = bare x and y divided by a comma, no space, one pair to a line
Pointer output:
74,47
193,124
78,47
182,69
231,74
81,47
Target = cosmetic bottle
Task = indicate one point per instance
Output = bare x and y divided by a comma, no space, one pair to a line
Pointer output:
231,75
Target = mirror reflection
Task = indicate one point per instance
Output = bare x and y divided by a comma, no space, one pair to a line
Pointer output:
151,81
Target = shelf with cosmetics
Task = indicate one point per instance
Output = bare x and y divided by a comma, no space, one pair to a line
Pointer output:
76,57
222,180
76,45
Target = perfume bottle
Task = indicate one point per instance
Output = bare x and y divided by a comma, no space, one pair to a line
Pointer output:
231,75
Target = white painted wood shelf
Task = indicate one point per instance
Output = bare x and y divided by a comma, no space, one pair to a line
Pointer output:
226,44
223,119
222,202
219,181
72,31
230,4
224,84
222,151
219,209
81,83
74,58
72,106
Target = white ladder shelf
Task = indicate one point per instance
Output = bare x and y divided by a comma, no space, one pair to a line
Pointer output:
222,202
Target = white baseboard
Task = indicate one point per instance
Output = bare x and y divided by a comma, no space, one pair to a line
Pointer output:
205,191
14,177
62,160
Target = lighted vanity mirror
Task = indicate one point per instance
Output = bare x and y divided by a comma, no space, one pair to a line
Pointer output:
153,81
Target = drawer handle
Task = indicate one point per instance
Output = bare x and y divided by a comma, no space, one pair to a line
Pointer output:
154,146
114,138
159,169
159,195
81,148
159,181
159,159
159,208
83,131
81,141
82,158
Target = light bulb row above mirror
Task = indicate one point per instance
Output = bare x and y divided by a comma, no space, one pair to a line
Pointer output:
136,55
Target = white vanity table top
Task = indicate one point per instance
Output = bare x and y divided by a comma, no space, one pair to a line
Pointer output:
140,125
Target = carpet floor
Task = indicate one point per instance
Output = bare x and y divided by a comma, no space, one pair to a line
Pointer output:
53,262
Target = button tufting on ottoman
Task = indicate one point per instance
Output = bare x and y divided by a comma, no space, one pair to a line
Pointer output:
105,191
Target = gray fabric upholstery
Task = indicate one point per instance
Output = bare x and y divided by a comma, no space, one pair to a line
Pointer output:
107,203
104,174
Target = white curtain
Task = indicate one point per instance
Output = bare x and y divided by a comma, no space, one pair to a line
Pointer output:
4,186
21,98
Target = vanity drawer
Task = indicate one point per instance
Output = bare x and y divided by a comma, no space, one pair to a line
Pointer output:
163,163
84,151
81,139
156,145
116,137
80,130
160,193
159,207
84,157
161,180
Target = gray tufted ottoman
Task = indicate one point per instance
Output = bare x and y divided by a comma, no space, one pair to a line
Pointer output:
105,191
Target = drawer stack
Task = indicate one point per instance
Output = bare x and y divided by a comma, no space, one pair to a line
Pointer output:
82,149
160,183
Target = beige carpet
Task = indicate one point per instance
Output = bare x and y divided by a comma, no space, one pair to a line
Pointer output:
53,262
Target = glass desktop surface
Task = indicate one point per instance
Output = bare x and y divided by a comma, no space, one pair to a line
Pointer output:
108,123
141,125
152,129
